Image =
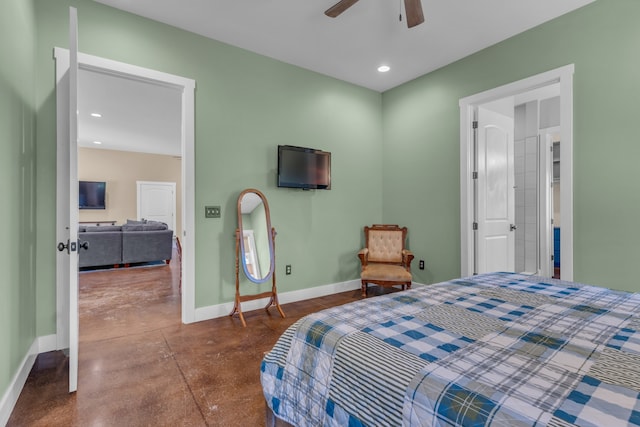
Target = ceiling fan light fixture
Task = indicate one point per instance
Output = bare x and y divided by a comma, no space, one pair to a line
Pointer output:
383,68
412,9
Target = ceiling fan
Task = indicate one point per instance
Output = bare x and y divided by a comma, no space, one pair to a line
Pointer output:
413,9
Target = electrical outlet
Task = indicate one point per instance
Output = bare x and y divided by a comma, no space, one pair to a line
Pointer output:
421,264
212,211
287,269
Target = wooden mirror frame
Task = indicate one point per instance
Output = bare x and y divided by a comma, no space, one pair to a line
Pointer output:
240,254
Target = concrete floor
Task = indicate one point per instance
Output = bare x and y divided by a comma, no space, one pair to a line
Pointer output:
139,365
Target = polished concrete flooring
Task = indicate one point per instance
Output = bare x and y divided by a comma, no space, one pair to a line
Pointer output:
140,366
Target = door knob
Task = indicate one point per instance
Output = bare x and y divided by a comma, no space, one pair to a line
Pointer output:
83,245
69,246
62,246
512,227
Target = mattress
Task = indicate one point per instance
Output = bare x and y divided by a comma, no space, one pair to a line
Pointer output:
498,349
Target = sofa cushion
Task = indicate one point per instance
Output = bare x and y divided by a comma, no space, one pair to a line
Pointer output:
102,228
385,272
133,221
144,226
132,227
153,225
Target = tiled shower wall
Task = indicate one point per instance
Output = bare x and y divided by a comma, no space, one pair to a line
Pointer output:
526,186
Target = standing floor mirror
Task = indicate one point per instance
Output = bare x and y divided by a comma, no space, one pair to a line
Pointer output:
255,246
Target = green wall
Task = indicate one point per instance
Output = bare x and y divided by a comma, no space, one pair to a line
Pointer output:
421,141
246,105
17,186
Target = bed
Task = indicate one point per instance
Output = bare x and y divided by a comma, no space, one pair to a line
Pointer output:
498,349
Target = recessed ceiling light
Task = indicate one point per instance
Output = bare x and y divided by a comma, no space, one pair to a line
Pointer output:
97,142
384,68
96,115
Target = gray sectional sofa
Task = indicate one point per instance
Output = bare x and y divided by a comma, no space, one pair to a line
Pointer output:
133,242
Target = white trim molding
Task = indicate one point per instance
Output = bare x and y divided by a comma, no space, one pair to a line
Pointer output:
47,343
220,310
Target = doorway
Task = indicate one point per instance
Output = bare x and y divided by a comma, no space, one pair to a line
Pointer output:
65,312
517,199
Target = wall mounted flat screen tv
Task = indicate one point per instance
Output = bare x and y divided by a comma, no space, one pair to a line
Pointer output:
306,168
91,194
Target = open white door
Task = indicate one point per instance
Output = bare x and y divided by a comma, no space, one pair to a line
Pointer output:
67,202
496,207
73,200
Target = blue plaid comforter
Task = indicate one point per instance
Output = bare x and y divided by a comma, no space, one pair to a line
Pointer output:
498,349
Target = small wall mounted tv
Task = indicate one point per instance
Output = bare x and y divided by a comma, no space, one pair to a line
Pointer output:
306,168
91,194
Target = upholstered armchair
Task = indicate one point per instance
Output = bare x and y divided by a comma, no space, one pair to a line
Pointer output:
385,261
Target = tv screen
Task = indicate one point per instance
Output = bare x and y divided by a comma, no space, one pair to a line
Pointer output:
91,194
305,168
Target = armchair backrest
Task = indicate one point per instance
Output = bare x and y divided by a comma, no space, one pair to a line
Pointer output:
385,242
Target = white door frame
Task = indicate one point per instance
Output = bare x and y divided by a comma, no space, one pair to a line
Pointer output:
139,185
187,87
468,105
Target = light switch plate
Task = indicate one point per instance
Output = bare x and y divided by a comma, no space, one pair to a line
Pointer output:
212,211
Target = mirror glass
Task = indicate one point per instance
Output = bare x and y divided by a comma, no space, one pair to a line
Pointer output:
256,238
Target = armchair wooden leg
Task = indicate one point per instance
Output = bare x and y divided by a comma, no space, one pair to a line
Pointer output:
364,289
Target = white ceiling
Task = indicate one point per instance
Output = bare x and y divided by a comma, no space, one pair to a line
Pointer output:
352,46
136,115
349,47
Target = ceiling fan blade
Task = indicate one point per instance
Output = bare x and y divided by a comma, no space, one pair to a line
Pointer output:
413,10
339,7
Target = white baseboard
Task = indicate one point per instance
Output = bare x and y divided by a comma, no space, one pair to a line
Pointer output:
11,395
47,343
219,310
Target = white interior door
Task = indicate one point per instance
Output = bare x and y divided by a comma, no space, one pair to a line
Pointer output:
67,202
495,193
157,202
73,200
